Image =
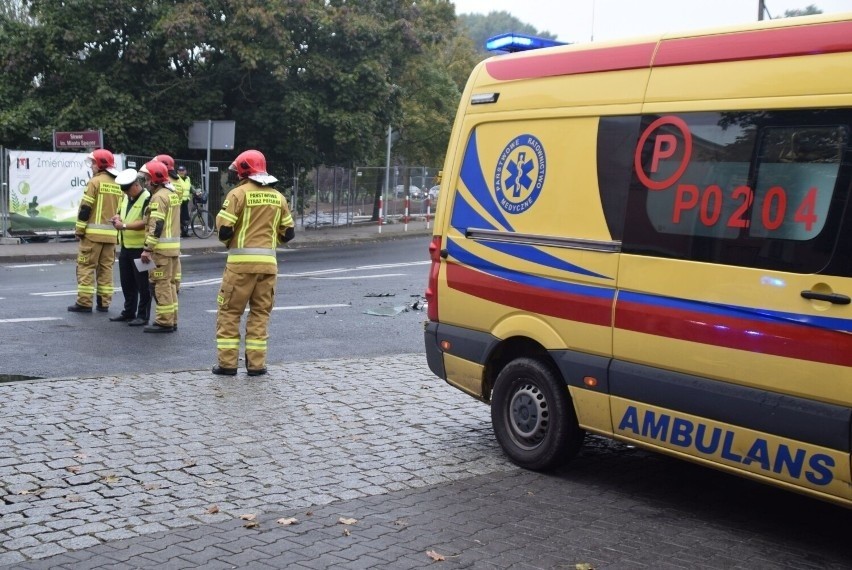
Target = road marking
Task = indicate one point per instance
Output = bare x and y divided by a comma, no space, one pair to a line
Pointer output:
55,293
350,277
299,307
214,281
358,268
23,266
29,320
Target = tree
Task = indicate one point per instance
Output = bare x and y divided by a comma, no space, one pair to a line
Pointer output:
479,28
307,81
807,11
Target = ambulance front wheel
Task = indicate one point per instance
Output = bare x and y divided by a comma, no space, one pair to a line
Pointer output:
533,417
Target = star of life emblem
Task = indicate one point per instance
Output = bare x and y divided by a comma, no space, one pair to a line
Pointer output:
519,176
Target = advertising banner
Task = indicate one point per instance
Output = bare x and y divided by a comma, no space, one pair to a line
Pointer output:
45,189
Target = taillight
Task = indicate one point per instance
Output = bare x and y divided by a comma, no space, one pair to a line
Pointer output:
432,287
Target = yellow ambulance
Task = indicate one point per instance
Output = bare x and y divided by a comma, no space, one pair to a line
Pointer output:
652,240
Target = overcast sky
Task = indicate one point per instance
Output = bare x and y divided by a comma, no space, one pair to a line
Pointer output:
583,20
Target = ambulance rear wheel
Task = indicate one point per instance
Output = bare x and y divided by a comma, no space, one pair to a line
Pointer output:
533,417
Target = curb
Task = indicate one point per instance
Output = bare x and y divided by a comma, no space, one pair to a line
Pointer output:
215,247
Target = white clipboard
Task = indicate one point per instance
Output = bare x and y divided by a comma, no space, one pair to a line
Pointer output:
141,266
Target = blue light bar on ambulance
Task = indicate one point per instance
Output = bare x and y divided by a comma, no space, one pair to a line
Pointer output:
512,42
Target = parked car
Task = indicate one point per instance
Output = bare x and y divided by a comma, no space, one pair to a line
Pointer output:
433,192
413,191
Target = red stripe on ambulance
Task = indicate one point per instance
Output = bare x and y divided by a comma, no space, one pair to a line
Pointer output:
778,338
580,308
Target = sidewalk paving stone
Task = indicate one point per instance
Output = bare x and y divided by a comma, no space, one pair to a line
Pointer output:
424,474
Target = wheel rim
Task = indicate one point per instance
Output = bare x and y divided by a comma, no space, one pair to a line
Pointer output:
528,416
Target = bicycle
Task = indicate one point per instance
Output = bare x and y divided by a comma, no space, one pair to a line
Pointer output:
201,222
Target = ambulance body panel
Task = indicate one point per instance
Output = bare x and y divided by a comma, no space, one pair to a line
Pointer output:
652,240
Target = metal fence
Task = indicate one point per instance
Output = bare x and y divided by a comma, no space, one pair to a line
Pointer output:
341,196
4,194
318,197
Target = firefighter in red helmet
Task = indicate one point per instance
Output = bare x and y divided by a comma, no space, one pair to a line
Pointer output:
253,221
162,245
97,236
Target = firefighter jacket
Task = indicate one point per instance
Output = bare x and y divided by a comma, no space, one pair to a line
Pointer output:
256,218
162,222
133,239
183,187
100,201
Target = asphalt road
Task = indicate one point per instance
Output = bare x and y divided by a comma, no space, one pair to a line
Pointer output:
131,455
345,301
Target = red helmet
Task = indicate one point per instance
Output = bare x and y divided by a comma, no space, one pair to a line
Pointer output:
156,171
102,159
249,163
167,160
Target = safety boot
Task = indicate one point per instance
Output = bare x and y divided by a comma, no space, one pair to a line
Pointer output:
224,371
75,308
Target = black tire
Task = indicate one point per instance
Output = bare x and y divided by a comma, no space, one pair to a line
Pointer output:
533,417
202,224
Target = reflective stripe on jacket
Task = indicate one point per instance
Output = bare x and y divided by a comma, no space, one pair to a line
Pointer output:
164,206
103,196
258,215
133,239
183,187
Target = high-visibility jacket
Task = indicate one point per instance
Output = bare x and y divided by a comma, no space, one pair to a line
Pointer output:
163,237
102,196
259,217
184,187
133,239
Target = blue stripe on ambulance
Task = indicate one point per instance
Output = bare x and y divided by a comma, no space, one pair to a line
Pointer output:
465,257
472,177
828,323
464,217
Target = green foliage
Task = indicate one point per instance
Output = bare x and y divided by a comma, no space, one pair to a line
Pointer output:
808,10
479,28
306,81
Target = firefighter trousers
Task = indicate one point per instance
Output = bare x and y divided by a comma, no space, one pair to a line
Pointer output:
163,289
94,264
257,290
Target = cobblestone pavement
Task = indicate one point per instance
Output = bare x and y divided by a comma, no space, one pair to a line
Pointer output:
188,470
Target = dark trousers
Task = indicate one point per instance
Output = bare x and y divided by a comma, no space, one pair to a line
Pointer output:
184,218
134,285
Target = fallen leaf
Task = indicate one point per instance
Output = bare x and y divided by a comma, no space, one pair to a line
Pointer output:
342,520
212,509
24,492
435,556
400,522
151,486
346,532
111,478
189,462
248,517
73,468
584,566
251,524
286,522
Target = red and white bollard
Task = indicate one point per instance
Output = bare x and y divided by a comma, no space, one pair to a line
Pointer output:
405,216
380,214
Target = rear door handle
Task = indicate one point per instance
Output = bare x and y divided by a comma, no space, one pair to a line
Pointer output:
835,298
